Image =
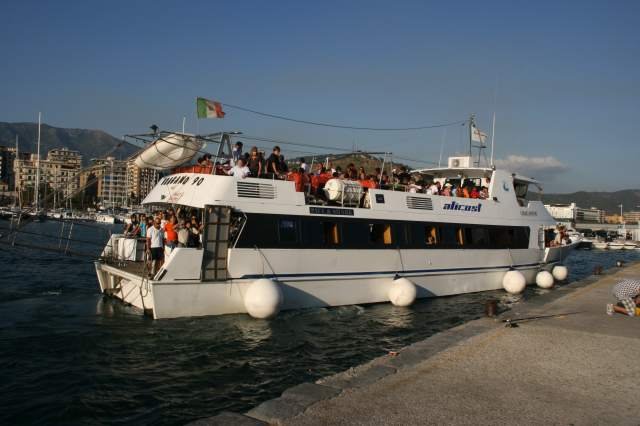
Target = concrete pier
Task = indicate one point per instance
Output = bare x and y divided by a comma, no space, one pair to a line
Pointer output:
579,367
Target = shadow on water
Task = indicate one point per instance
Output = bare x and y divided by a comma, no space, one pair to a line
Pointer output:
68,356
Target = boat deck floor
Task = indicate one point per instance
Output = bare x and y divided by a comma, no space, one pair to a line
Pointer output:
136,268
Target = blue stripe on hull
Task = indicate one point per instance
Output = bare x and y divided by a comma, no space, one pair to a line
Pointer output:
415,272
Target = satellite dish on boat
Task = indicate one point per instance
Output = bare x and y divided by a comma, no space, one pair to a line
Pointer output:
169,150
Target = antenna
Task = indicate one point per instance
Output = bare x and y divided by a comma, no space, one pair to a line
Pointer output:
444,137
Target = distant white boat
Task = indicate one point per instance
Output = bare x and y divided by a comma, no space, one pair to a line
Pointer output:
617,245
105,218
601,245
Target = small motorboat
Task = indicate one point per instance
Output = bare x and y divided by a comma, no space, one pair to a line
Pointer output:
600,245
617,245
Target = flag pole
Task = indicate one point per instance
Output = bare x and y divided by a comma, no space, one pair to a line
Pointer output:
493,134
184,120
471,126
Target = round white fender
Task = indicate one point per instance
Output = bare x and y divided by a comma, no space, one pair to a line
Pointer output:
544,279
402,292
560,272
263,298
514,282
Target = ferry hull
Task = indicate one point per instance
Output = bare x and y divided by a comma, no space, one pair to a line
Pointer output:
184,298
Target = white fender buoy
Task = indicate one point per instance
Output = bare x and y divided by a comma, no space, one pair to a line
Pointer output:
544,279
402,292
560,272
263,298
514,282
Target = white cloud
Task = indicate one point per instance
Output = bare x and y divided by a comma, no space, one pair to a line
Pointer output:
542,168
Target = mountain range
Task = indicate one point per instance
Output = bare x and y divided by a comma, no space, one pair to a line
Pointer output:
90,143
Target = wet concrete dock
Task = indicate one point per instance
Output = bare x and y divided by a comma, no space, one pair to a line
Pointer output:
580,367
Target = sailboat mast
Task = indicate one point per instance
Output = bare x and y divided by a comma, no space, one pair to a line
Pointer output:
15,167
111,187
37,191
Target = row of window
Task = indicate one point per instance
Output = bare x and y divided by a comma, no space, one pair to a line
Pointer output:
275,231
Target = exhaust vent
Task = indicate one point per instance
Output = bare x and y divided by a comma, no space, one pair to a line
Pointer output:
256,190
419,203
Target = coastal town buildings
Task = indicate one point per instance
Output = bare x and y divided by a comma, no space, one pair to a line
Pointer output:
117,183
139,181
58,171
105,181
573,213
7,157
632,217
613,218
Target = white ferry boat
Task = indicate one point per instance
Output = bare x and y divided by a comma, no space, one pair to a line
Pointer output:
267,247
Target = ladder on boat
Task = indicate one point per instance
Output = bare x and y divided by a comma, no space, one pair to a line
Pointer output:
215,242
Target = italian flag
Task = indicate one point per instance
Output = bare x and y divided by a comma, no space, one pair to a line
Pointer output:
209,109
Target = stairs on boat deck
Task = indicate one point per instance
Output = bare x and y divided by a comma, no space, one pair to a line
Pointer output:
215,242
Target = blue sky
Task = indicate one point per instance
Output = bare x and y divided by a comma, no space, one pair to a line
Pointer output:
564,75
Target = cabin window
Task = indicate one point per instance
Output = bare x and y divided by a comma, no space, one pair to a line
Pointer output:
520,238
288,230
478,237
521,189
431,235
331,233
380,233
448,236
500,237
354,234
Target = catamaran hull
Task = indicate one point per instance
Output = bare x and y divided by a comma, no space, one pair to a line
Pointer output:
184,297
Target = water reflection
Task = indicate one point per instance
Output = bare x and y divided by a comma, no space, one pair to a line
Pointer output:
254,332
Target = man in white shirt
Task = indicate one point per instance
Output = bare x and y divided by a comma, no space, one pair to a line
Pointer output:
155,246
240,170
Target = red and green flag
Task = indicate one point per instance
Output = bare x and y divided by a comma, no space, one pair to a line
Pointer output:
209,109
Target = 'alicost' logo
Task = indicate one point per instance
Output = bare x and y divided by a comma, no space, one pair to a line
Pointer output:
462,207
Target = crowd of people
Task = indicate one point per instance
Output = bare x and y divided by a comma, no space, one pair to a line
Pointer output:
164,231
311,179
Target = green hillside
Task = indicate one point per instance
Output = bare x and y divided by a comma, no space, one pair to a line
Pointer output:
90,143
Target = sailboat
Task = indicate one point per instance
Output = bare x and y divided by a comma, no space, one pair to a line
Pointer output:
38,213
106,216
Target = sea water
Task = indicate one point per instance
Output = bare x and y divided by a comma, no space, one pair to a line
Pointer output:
70,356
